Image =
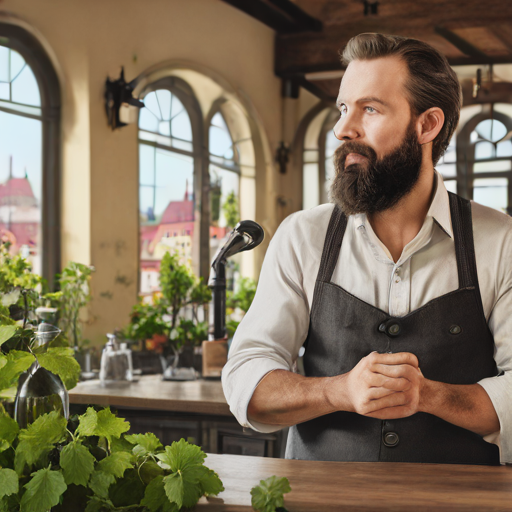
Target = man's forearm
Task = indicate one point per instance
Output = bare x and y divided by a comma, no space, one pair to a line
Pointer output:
467,406
285,398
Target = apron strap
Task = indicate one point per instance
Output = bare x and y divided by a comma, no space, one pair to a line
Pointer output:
462,225
332,244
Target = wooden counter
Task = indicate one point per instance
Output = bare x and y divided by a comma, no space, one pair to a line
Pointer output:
151,392
381,486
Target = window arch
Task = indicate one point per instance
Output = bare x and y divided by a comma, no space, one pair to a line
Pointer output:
317,156
484,160
30,108
232,176
170,172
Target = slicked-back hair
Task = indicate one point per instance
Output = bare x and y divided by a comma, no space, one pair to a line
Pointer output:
431,81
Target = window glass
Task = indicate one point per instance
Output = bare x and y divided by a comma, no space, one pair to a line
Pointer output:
224,182
491,192
491,130
20,159
166,185
484,150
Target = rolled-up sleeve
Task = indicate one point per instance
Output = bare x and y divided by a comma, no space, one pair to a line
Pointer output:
274,328
499,388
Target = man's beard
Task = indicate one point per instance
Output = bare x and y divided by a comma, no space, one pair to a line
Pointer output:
376,185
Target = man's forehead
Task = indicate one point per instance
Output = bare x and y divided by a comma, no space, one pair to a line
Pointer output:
382,78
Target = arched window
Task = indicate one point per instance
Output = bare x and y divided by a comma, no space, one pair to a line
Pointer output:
318,164
232,175
485,160
168,158
29,151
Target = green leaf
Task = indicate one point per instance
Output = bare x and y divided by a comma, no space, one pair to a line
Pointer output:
7,332
120,445
181,455
155,498
100,483
116,464
43,491
210,483
268,496
144,443
96,504
60,361
128,490
183,487
103,424
8,431
149,470
77,463
38,439
8,482
12,366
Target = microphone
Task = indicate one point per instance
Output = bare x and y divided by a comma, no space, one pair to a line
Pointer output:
246,235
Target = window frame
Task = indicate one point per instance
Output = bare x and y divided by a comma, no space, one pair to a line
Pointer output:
183,91
465,152
30,48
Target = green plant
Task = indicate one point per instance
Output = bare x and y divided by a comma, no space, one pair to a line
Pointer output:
269,495
19,296
179,288
90,464
241,299
231,210
75,295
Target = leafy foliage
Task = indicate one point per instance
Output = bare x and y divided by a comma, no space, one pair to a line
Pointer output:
268,496
57,466
74,285
180,288
231,210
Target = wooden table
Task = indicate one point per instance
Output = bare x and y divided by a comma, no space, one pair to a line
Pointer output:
151,392
380,486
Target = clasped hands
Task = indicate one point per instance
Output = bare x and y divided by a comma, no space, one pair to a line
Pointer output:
385,386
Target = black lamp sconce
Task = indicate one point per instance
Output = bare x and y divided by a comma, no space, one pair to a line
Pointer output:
120,105
370,7
282,157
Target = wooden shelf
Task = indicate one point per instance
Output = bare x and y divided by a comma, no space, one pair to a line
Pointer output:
151,392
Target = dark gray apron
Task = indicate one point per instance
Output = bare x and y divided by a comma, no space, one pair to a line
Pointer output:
449,335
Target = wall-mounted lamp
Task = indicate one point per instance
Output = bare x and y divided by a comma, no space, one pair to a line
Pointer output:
282,157
120,105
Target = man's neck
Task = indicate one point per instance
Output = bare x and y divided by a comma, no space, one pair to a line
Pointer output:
399,225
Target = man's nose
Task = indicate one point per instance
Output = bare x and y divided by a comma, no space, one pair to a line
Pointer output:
347,128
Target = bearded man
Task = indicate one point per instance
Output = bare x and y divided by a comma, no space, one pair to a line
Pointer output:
399,291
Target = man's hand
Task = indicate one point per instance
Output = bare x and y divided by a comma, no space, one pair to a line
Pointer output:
383,386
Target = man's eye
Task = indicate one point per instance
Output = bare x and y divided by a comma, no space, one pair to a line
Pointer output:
343,110
371,110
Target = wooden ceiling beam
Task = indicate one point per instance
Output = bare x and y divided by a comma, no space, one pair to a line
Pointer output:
464,46
283,16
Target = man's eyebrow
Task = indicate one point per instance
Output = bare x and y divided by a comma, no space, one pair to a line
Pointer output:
340,102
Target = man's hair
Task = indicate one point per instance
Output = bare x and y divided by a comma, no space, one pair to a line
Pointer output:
431,82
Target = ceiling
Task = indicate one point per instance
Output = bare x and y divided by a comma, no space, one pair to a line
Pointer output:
311,33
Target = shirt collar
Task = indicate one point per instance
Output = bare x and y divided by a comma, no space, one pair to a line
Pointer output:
439,208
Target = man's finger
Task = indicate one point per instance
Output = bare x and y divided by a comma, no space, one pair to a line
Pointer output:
405,371
392,359
377,393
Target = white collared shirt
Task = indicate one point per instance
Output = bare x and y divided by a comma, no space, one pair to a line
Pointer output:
276,326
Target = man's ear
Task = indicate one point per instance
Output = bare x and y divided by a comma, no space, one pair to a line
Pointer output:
429,125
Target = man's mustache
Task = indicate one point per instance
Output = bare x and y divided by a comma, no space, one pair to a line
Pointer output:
346,148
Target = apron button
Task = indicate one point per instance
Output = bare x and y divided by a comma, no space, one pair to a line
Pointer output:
382,327
394,330
391,439
455,329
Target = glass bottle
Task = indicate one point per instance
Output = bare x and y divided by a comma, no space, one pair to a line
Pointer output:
40,391
116,362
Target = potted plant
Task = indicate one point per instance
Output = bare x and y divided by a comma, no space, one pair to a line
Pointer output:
171,320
